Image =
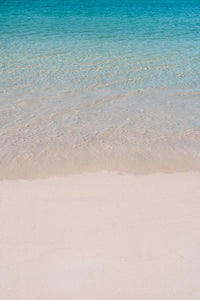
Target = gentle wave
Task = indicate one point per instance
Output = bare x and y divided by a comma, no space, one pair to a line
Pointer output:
102,85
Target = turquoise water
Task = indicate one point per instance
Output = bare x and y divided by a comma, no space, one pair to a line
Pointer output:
89,85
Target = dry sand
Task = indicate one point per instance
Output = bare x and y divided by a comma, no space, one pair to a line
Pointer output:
100,236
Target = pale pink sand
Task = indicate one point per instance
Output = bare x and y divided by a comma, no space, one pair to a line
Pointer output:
100,237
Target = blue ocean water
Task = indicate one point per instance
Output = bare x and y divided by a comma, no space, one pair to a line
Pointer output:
88,85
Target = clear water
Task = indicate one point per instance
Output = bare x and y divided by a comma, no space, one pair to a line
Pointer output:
89,85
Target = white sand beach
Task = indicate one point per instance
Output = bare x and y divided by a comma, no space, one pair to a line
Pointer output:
100,236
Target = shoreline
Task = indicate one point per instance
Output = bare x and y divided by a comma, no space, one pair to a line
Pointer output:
101,236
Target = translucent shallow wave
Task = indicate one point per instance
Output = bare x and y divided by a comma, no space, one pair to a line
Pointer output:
104,85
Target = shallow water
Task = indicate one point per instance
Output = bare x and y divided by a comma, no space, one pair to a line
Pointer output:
89,85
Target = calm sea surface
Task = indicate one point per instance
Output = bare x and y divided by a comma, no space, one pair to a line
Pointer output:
89,85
